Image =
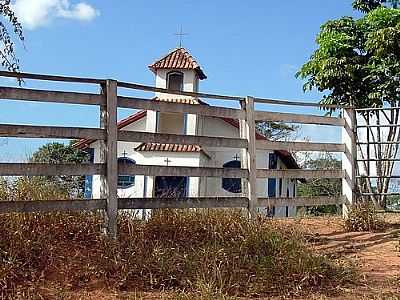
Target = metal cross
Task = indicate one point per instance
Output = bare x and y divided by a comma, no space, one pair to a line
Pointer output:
181,34
236,157
124,153
167,160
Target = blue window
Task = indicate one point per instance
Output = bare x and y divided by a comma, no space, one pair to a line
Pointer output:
233,185
272,187
126,181
273,164
89,178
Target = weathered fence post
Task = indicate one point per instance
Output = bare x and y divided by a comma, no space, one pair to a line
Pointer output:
103,148
248,131
348,159
111,157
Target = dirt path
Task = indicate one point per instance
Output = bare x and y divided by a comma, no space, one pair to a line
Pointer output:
376,255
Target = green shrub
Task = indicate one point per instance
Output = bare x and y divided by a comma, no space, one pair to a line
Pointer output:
363,217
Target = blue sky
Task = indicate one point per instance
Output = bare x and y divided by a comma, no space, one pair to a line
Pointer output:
245,48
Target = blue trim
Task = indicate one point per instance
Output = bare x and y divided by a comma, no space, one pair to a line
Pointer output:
185,122
88,188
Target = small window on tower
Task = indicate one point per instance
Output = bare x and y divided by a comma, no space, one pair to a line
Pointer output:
175,81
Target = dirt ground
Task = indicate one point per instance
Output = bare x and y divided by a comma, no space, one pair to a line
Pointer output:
375,255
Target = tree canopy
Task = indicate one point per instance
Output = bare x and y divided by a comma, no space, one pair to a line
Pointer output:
358,60
57,153
8,57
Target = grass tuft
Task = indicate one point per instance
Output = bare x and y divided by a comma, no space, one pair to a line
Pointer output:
363,217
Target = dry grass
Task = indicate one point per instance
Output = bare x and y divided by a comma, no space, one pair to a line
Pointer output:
214,252
204,254
363,217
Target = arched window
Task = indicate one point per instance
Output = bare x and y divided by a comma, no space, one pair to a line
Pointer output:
175,81
233,185
125,181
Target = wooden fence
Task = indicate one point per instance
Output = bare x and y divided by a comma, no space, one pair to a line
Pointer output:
109,101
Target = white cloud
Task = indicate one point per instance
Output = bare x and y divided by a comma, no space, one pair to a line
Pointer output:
36,13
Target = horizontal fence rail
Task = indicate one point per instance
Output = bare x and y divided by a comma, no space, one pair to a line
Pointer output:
300,174
29,131
51,96
158,105
297,118
299,146
155,203
156,170
301,201
41,169
109,134
53,205
136,136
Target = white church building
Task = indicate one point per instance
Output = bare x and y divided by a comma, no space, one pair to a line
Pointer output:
178,70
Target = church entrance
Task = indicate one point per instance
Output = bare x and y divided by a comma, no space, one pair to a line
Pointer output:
171,186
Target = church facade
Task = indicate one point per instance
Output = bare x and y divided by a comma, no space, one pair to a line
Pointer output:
178,70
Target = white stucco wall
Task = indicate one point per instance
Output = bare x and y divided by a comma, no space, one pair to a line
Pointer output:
215,157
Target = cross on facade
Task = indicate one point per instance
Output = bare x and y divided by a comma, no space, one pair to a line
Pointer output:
124,153
236,157
181,34
167,160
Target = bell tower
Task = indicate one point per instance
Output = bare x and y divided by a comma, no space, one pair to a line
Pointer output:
177,71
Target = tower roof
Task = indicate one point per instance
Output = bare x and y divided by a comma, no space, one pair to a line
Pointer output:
178,58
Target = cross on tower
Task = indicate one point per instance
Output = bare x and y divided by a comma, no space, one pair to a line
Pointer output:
167,160
180,34
236,157
124,153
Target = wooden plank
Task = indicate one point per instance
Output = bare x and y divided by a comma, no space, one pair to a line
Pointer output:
50,96
296,103
299,146
377,108
141,87
136,136
297,118
28,131
41,169
51,205
152,170
51,77
206,110
112,163
295,173
102,145
202,202
300,201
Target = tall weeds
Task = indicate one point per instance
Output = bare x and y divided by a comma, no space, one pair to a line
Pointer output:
207,252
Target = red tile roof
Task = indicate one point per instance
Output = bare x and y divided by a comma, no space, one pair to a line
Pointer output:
188,100
168,147
179,58
84,143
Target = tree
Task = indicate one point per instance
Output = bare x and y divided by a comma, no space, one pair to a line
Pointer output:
58,153
321,186
9,60
358,63
368,5
275,131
